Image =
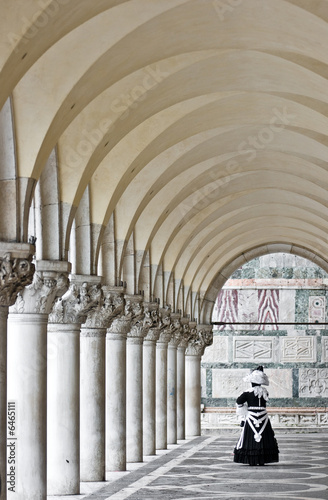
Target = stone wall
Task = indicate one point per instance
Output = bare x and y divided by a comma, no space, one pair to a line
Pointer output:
274,289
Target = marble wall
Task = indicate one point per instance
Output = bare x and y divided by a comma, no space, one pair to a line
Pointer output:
272,290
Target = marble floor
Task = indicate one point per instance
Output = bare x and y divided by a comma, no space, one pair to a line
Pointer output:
202,468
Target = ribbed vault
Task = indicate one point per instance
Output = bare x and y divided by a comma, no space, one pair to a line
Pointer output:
180,138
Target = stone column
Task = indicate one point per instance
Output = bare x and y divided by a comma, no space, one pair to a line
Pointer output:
64,383
116,394
194,352
27,376
16,272
134,347
92,385
172,380
181,379
149,382
161,379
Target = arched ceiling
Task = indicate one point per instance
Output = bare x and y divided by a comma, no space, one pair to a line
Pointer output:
200,125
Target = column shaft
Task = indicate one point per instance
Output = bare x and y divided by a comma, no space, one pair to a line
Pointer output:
27,393
134,439
149,397
193,395
181,393
172,394
161,396
92,409
3,400
63,409
115,401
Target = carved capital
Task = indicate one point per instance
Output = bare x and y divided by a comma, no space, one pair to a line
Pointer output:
38,297
76,303
202,338
15,274
186,333
120,326
152,335
109,307
133,309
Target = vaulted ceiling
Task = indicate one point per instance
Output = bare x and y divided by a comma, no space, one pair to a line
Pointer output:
196,129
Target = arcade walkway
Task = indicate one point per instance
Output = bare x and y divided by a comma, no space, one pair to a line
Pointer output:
202,468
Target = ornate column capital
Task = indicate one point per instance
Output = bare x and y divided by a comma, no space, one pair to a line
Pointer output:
16,272
50,281
202,338
186,333
109,307
81,298
165,325
177,330
133,308
152,321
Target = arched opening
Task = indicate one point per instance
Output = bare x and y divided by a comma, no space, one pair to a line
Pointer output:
271,311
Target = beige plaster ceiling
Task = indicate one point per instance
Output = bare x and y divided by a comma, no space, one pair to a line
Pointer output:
202,125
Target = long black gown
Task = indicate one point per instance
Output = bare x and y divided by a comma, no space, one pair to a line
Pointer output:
263,449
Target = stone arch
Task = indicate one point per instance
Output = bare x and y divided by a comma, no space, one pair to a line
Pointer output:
208,300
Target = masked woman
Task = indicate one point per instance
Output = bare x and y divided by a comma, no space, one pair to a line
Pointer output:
257,444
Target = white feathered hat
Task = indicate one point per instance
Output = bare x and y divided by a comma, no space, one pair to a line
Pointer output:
257,376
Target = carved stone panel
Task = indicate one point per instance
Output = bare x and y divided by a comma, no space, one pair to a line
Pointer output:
253,349
298,349
313,382
228,383
317,309
324,346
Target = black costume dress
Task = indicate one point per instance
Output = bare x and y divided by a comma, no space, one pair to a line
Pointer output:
257,444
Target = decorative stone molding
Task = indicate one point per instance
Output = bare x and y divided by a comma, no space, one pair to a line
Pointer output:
202,339
77,302
313,382
110,306
15,274
38,297
92,332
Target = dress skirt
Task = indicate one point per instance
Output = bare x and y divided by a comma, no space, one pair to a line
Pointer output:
254,452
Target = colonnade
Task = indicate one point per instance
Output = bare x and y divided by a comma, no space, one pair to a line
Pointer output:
97,378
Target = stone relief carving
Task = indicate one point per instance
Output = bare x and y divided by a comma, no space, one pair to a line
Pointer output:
76,303
15,274
313,382
201,339
40,295
298,348
324,344
109,307
252,349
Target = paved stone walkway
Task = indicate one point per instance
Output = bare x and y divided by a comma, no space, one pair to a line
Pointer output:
202,468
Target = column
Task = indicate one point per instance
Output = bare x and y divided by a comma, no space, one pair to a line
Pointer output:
194,352
16,272
27,378
64,383
161,381
134,437
149,391
92,385
3,399
116,394
172,380
181,379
